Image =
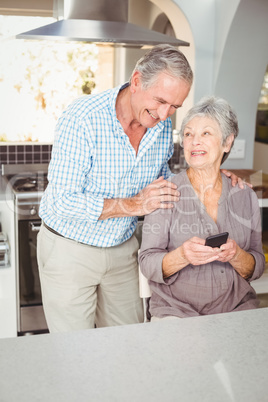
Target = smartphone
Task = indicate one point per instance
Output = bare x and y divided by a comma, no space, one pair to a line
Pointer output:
217,240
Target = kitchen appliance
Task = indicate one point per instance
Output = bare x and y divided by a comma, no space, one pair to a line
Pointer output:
97,21
27,182
4,250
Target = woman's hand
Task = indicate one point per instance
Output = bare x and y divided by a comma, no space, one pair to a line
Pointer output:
228,251
197,253
242,261
193,251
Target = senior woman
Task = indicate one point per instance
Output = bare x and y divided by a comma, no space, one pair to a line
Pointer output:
186,277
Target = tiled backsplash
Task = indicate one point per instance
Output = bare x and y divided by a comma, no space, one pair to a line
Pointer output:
16,154
21,154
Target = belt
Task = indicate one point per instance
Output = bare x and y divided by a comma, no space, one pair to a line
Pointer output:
52,230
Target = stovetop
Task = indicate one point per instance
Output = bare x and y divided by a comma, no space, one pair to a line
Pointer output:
34,183
27,180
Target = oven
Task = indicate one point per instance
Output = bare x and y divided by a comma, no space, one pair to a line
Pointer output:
28,183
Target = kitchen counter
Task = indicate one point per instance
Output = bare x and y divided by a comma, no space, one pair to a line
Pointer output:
212,358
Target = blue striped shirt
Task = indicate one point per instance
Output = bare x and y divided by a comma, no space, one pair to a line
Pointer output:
92,160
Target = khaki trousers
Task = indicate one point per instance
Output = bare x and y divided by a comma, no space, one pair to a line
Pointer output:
83,286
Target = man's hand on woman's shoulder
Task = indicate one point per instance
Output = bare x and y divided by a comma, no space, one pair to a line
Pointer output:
235,179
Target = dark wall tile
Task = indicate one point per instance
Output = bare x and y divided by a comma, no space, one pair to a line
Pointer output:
28,148
20,148
37,157
29,158
25,153
3,150
3,158
12,157
21,158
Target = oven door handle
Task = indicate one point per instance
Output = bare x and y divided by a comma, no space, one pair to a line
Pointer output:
35,226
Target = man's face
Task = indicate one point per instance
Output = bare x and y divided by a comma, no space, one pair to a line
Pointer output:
160,101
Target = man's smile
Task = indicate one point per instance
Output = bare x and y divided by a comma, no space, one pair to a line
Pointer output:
151,114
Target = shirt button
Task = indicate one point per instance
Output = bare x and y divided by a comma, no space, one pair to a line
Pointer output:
222,271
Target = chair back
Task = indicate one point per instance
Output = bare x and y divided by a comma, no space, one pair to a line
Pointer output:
144,287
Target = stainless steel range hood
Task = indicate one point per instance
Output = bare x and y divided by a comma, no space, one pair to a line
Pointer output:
97,21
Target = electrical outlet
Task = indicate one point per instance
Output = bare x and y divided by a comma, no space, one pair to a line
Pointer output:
238,150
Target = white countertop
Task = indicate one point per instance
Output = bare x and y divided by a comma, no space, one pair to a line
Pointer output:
214,358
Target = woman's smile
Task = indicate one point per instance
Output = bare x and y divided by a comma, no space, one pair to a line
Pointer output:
198,153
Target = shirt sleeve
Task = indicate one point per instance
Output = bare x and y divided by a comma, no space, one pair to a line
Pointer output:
256,239
165,170
154,246
68,194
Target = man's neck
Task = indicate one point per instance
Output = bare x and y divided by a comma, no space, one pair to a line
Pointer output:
125,114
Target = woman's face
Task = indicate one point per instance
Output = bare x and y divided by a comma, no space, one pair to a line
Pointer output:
202,141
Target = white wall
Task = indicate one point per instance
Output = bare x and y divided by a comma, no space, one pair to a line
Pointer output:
228,53
225,12
201,17
243,64
231,41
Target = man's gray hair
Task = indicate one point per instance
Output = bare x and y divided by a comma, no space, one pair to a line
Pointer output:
163,58
219,110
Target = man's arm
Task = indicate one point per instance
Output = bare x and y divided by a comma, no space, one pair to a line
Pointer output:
235,179
159,194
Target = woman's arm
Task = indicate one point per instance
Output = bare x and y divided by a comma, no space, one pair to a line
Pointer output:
192,251
155,243
243,263
173,262
248,263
